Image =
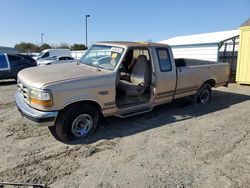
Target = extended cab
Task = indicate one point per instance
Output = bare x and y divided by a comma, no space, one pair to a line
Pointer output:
112,79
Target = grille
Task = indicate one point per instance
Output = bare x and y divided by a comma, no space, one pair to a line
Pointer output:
23,90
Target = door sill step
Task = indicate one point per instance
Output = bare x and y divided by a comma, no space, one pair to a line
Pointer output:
134,112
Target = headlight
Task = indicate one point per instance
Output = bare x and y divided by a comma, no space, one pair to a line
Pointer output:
41,98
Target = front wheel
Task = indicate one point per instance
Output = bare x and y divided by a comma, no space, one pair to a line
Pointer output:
75,122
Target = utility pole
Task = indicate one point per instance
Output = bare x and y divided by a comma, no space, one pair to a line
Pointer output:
42,38
86,24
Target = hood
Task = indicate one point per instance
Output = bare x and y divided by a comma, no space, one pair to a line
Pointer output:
39,76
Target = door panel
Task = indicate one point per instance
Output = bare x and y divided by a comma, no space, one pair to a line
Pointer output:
165,77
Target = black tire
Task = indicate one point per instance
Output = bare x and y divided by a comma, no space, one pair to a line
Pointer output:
203,95
62,130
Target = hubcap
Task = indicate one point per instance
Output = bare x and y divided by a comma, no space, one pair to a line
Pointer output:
82,125
204,96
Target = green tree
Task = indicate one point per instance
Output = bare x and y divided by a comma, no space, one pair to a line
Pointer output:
62,45
44,47
26,47
78,47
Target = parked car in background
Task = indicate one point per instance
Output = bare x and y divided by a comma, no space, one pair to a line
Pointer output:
10,65
49,53
56,60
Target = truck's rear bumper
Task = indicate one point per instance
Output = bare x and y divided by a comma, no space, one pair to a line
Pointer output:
40,118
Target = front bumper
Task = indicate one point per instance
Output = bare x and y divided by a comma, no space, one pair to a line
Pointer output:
40,118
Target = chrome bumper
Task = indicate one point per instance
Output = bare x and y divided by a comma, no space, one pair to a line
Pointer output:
40,118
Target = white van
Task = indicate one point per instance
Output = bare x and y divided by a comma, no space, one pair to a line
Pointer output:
49,53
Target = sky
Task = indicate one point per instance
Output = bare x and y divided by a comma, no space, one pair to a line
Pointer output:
126,20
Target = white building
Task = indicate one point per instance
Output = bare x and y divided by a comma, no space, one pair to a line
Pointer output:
207,46
77,54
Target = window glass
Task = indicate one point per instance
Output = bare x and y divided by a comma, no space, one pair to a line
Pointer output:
14,58
138,52
3,62
45,55
106,57
67,58
164,60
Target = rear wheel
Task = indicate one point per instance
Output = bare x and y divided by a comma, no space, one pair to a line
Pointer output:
203,95
75,122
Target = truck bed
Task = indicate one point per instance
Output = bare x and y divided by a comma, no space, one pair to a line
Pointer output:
192,73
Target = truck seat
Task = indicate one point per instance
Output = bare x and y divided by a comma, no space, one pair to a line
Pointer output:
139,79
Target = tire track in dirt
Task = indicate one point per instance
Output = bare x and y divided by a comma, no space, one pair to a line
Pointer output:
51,167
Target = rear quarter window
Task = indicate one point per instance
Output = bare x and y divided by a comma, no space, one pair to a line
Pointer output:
4,65
164,59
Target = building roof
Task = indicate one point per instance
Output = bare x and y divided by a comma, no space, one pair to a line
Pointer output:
205,38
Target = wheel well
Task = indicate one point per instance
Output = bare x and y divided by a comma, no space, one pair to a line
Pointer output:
211,82
92,103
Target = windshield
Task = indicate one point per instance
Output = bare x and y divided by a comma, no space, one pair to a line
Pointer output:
40,54
106,57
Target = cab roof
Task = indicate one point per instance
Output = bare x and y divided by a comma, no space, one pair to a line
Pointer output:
131,44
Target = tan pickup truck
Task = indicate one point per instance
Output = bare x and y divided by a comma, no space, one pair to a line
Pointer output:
112,79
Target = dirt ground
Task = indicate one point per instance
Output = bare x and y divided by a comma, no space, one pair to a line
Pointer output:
176,145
